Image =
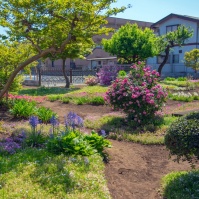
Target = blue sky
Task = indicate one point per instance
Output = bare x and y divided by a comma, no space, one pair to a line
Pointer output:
154,10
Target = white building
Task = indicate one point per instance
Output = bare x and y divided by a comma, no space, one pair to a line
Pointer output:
175,66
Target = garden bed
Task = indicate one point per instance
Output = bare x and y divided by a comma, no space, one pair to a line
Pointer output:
134,170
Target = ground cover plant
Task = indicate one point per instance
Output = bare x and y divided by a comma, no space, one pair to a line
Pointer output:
118,128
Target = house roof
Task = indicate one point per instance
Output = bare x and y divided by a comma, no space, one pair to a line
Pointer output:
102,58
185,17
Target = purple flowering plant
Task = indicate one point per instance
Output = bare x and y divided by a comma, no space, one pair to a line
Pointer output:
107,74
12,144
139,95
72,120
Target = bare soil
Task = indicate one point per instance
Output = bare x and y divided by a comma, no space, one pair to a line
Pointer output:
134,170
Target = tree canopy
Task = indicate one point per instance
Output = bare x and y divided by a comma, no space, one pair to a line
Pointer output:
52,26
8,62
131,43
192,59
171,39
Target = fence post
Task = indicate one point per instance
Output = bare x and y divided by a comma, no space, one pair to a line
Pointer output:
39,71
71,74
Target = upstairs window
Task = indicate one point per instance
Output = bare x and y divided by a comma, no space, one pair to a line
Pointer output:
171,28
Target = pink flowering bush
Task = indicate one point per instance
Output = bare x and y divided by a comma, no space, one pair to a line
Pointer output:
91,80
139,95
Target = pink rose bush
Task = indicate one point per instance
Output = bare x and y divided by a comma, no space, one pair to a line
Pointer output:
139,95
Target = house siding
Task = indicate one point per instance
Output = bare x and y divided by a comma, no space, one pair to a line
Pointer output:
177,69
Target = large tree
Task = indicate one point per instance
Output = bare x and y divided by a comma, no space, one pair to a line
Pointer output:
131,44
50,26
192,59
171,39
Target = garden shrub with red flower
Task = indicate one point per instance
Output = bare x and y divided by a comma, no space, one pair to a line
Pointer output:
139,95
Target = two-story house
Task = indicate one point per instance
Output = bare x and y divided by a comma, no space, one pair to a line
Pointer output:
175,65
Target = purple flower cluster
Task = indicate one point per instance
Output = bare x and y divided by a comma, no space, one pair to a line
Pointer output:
73,120
12,144
139,95
53,121
107,74
34,121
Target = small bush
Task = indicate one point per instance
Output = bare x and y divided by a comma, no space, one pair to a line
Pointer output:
45,114
182,137
91,80
139,94
97,100
53,98
169,79
65,100
122,73
23,109
75,143
178,185
181,79
107,74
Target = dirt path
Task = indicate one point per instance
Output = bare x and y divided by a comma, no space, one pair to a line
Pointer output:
135,170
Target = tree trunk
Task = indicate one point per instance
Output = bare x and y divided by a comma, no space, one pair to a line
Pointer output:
22,66
165,60
65,75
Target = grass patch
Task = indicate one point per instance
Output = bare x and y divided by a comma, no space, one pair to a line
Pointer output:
34,173
119,129
178,185
43,91
91,89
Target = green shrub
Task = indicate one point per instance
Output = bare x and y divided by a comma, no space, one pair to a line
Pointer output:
75,143
81,100
23,109
53,98
181,79
97,100
45,114
181,185
182,137
65,100
169,79
121,73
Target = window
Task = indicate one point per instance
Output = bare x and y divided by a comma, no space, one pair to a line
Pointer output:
171,28
99,62
175,59
161,58
53,64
